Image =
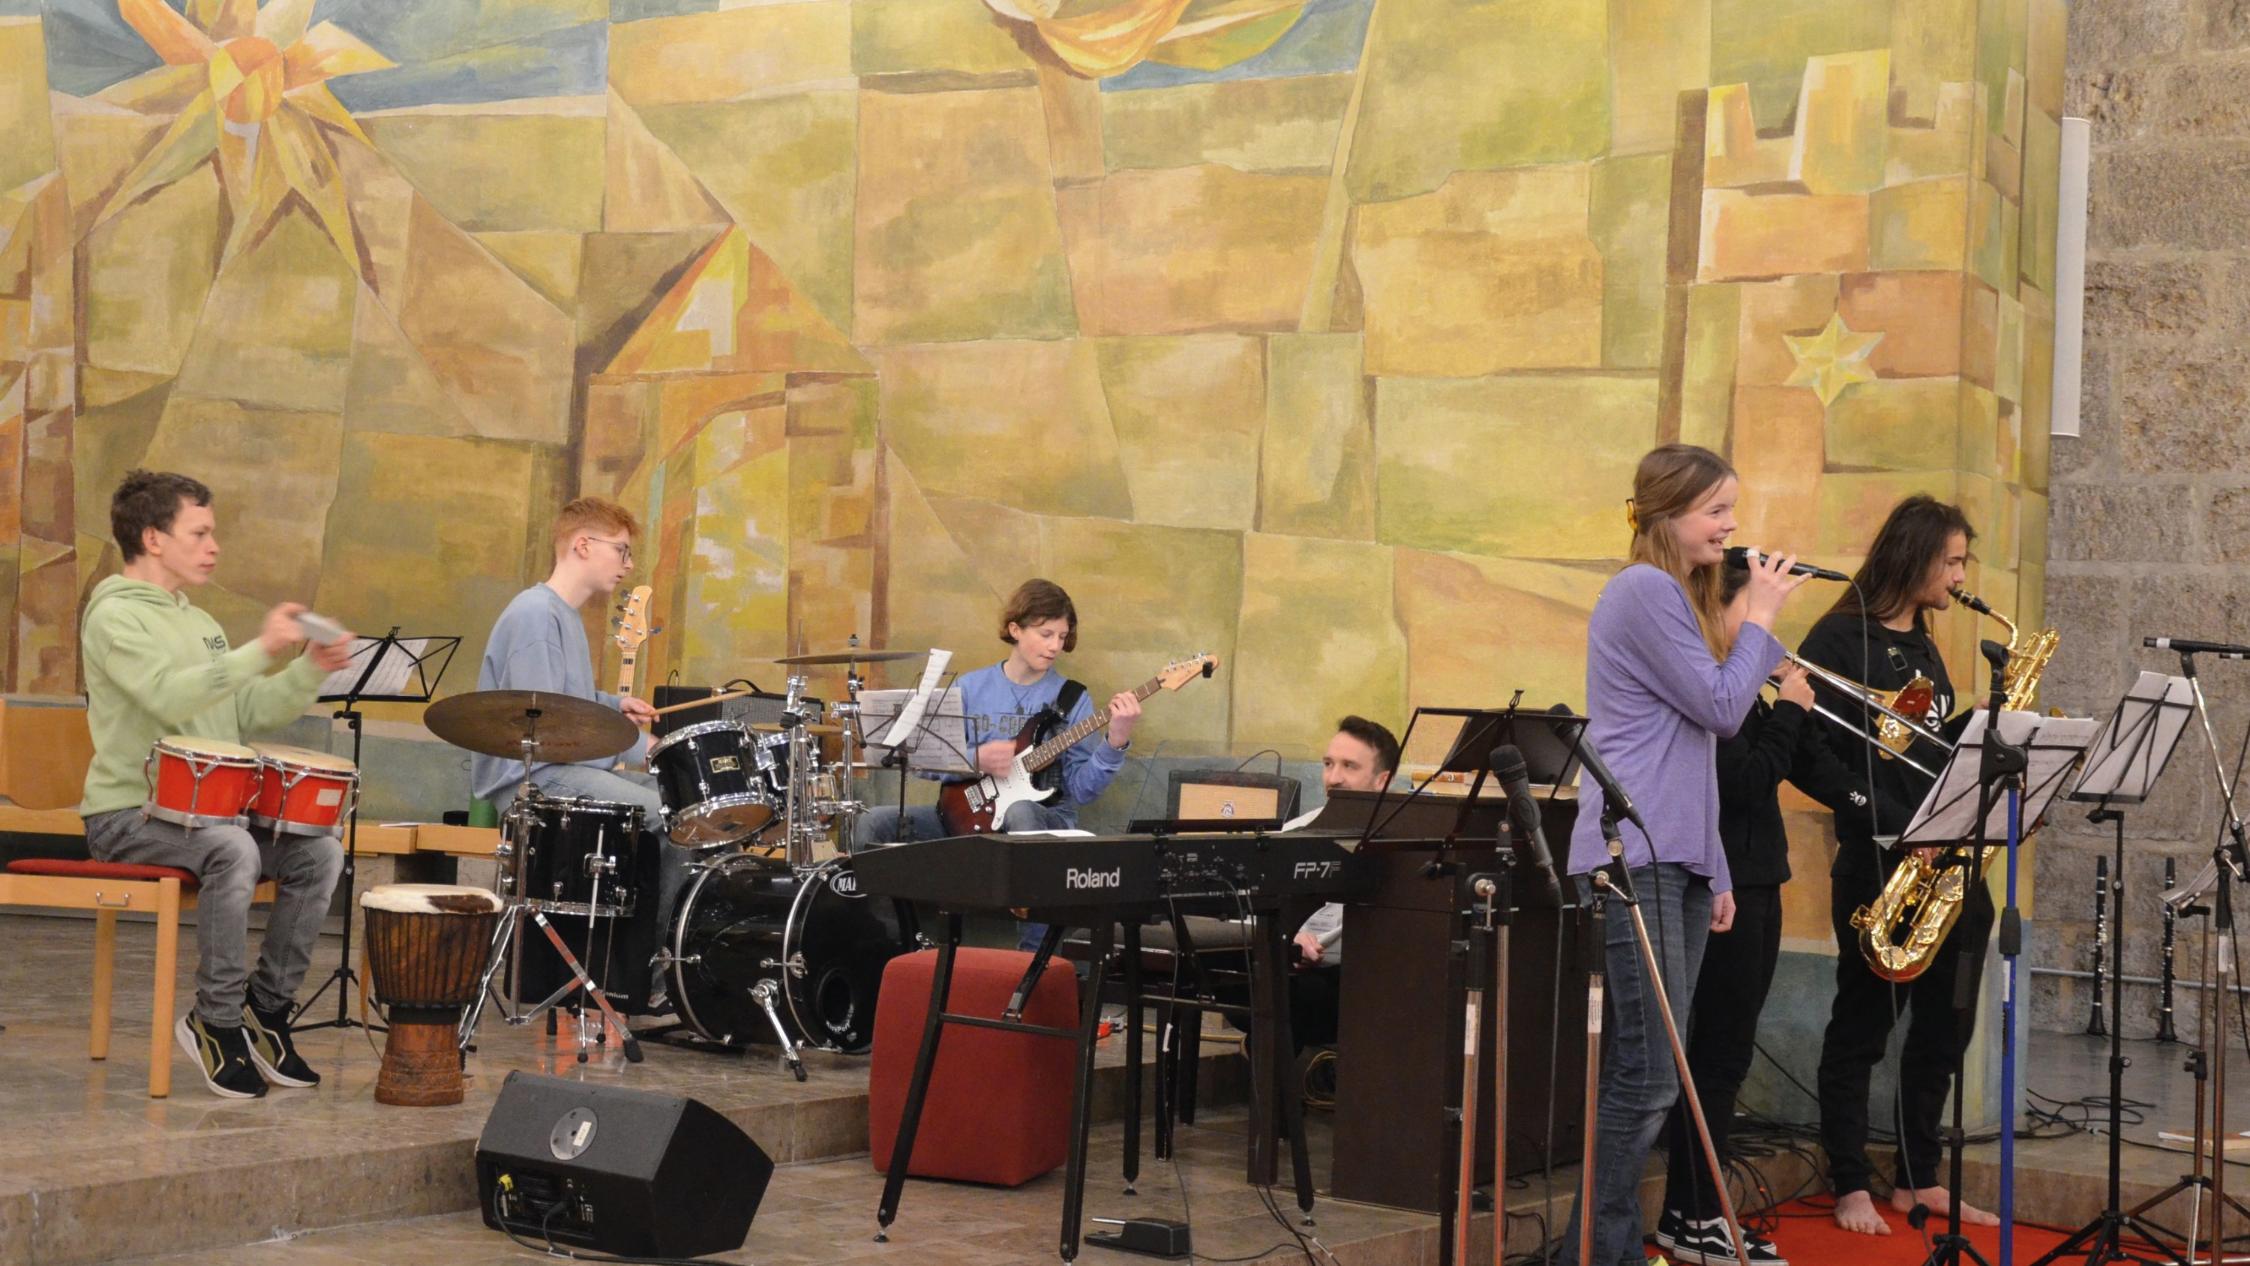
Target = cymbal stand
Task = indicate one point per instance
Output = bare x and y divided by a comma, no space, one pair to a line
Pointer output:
1615,882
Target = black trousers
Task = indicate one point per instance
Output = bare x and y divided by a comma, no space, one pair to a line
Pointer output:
1938,1029
1730,991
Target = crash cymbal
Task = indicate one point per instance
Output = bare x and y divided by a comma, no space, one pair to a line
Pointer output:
817,730
850,657
496,722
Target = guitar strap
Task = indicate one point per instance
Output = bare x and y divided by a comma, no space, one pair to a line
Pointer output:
1066,700
1058,718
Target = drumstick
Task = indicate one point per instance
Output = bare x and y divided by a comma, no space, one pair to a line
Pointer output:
706,701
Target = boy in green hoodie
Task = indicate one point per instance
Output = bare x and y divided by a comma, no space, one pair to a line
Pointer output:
157,665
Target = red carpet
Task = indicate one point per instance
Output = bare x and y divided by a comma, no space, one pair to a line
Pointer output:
1807,1237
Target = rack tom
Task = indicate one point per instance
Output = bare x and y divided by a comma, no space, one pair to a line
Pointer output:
426,951
711,785
194,782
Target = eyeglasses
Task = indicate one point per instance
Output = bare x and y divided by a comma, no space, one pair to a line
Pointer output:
624,548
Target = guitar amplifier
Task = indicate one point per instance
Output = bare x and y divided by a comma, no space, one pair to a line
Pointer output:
754,709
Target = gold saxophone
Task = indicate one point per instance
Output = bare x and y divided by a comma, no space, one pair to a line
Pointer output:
1901,931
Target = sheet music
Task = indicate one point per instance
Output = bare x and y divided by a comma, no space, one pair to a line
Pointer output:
910,716
1948,814
390,676
2125,755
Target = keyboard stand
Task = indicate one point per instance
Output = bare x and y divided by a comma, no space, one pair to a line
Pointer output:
1270,1015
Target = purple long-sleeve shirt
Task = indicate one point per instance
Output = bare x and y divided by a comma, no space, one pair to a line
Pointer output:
1657,706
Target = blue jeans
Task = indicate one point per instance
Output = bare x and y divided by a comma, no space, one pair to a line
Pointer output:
1639,1083
886,825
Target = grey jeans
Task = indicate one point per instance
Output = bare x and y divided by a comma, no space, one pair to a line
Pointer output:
1639,1082
228,861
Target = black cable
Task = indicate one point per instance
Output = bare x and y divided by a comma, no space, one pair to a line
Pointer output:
1263,751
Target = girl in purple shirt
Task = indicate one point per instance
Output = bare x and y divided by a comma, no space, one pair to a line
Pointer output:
1664,681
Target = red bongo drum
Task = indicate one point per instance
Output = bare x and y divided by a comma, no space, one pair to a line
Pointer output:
301,791
196,782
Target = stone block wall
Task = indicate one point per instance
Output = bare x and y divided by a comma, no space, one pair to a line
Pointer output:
2151,508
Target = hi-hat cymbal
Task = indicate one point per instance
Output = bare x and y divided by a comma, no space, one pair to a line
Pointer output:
850,657
564,727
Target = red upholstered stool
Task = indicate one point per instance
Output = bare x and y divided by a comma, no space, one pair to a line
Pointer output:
106,888
998,1108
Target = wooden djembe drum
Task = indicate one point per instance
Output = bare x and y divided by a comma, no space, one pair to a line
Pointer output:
426,950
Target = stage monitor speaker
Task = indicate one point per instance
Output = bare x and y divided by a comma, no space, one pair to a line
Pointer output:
626,1172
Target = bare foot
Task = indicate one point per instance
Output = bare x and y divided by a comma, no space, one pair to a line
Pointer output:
1939,1202
1856,1212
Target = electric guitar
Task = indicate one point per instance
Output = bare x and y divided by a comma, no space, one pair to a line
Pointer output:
974,807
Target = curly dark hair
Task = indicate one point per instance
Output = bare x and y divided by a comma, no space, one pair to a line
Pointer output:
150,499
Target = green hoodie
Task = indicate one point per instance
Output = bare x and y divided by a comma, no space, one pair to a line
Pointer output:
156,665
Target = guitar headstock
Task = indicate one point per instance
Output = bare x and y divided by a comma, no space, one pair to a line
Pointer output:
1182,671
632,620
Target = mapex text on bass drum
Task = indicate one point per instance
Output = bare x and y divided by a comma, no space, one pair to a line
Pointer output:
821,941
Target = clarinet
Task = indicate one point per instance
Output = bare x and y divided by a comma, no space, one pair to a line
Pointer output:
2164,1030
2096,1024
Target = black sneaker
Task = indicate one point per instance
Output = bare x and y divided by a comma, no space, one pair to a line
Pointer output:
1707,1243
222,1055
273,1050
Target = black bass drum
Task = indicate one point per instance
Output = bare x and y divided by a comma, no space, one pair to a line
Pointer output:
822,943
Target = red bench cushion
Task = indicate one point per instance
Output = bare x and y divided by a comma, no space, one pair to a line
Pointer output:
74,868
998,1109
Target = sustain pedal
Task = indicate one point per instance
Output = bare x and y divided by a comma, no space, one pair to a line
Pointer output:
1156,1237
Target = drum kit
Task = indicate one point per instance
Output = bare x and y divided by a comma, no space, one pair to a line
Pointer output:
770,940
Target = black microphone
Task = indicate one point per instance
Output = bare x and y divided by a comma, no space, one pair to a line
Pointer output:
1742,556
1523,811
1613,795
2224,650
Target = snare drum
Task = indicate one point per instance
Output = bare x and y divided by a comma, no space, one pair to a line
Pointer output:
196,782
709,779
301,791
426,951
573,856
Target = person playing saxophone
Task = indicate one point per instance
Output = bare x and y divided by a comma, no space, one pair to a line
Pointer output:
1878,633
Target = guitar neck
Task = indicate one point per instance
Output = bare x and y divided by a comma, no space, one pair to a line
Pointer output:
625,662
1049,752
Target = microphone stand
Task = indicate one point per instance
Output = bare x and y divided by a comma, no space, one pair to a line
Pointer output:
2227,856
1615,881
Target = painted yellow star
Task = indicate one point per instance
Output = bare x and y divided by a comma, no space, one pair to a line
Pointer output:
247,86
1831,360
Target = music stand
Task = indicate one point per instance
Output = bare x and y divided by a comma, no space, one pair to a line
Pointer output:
2029,758
386,669
2122,765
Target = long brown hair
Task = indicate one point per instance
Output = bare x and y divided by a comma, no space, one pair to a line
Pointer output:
1670,482
1910,542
